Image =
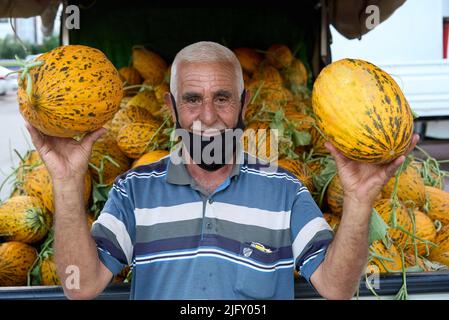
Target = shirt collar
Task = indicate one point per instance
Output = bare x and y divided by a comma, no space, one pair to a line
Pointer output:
177,172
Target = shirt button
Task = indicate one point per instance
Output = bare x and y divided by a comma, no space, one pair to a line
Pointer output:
211,201
209,225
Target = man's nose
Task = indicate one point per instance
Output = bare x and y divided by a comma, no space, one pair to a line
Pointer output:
208,114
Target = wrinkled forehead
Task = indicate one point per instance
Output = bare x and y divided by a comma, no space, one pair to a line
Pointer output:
202,76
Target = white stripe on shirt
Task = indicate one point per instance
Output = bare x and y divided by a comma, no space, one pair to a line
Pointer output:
118,228
181,212
307,233
273,220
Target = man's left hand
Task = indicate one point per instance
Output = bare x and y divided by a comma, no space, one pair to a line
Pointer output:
361,181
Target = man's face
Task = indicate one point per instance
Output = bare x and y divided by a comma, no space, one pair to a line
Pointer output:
207,94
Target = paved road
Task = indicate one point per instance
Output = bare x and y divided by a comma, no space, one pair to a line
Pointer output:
13,135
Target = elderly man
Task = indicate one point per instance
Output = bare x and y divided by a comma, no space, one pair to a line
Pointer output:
208,230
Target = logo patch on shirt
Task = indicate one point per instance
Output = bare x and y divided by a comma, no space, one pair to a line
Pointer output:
260,247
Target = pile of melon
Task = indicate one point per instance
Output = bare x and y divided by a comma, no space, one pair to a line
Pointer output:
304,115
71,91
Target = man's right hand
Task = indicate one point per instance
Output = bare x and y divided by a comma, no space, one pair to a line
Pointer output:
67,161
65,158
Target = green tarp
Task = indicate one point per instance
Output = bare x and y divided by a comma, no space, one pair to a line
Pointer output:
115,27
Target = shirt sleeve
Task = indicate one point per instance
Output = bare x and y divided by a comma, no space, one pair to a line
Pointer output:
310,232
114,230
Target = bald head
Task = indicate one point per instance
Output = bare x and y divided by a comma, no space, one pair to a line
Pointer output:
205,52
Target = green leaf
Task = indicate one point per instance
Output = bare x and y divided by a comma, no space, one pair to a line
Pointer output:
301,138
35,274
279,116
377,228
327,173
100,194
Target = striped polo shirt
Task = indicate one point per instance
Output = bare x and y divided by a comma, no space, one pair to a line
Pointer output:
241,241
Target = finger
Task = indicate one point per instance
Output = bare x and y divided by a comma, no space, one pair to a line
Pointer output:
392,167
36,137
339,158
93,136
413,143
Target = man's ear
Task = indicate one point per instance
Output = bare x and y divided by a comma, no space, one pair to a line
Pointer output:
168,101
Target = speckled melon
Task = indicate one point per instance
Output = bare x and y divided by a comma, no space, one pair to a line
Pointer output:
302,121
30,161
124,101
441,253
268,74
362,110
258,141
35,184
391,260
135,139
150,157
279,56
410,187
150,65
160,90
335,195
75,91
332,219
318,142
146,99
130,76
299,169
249,59
106,145
438,208
424,229
25,219
252,111
270,95
16,259
38,183
130,114
403,221
295,75
49,276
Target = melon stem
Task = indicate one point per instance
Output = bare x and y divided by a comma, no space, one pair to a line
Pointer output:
403,294
142,86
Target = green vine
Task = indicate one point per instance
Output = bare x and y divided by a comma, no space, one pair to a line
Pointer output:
24,71
34,275
403,293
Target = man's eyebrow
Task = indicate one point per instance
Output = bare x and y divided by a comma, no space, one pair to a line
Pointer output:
189,95
223,93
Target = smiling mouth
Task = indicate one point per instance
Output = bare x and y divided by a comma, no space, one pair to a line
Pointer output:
209,132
